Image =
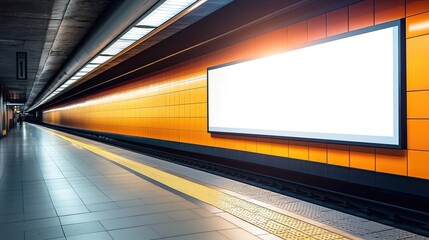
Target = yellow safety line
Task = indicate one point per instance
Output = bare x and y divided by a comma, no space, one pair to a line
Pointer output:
269,220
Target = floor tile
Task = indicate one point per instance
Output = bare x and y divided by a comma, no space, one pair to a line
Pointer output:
203,236
38,207
183,215
11,210
192,226
269,237
136,233
42,223
11,217
39,214
102,206
62,211
238,234
242,224
92,236
82,228
203,212
67,203
94,200
135,221
12,236
131,203
44,233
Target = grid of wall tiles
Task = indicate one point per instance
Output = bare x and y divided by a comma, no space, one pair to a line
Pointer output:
172,104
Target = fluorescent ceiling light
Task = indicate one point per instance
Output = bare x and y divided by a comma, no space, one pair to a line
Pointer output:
91,65
14,104
136,33
117,47
165,12
88,69
70,81
79,74
101,59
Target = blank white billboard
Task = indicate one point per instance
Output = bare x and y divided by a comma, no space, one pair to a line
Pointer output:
346,89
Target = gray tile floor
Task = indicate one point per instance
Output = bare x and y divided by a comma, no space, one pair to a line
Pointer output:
52,189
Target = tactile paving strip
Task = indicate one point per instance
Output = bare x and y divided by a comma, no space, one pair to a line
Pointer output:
269,220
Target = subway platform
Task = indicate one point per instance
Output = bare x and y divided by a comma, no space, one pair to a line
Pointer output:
59,186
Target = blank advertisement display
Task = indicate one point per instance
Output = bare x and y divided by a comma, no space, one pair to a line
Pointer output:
344,89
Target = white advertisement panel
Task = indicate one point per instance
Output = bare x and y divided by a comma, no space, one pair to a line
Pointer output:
345,89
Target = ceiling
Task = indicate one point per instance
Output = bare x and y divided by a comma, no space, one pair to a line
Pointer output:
48,31
196,34
60,36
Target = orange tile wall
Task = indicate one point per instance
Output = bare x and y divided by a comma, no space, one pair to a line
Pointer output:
172,104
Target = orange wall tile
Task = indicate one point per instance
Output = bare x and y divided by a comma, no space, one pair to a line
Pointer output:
251,145
362,158
389,10
361,15
317,28
240,143
337,22
416,6
298,150
391,161
418,134
338,155
262,45
297,35
263,146
318,152
280,148
279,40
418,104
417,25
418,164
418,63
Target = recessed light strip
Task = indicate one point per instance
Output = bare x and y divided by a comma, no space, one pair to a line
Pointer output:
156,18
165,12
